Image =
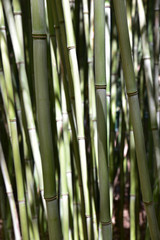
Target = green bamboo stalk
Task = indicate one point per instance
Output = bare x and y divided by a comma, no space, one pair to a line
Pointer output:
10,195
127,64
108,66
79,113
63,181
4,232
27,37
59,23
134,211
59,119
43,117
83,65
149,84
122,142
31,201
13,127
156,55
70,115
5,208
141,91
133,187
93,120
92,104
18,22
68,169
78,233
4,97
114,78
64,192
20,61
100,84
150,21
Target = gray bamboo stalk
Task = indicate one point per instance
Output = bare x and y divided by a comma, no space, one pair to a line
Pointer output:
121,19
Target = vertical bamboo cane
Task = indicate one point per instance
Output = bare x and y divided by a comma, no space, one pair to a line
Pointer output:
20,61
149,84
10,194
100,84
127,64
79,113
156,56
43,117
14,133
70,115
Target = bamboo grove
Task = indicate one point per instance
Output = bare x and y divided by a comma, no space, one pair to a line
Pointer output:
79,119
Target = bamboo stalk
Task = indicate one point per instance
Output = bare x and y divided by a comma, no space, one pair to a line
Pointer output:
43,117
108,66
100,85
14,134
114,78
93,120
61,147
3,214
10,195
70,115
79,112
4,97
18,22
156,56
30,196
149,84
66,137
133,187
134,211
59,23
89,85
20,61
127,65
